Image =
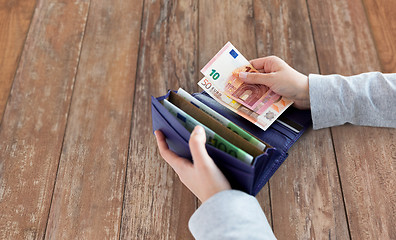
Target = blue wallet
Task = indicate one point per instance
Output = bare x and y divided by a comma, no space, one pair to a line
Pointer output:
279,137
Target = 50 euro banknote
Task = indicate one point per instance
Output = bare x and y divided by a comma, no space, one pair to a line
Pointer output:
263,120
222,70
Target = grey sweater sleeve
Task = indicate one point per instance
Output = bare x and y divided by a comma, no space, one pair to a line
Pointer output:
230,214
367,99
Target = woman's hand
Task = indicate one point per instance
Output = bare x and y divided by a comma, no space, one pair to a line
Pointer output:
280,78
202,177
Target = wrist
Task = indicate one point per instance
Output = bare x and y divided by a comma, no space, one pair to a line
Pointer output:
303,96
306,93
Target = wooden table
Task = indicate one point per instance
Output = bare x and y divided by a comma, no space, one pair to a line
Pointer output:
77,155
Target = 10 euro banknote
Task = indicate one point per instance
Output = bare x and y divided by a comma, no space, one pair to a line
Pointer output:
255,102
262,121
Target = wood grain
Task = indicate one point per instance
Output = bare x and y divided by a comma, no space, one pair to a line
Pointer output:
156,204
382,18
212,38
15,18
305,192
34,121
218,26
95,150
365,156
163,45
342,37
367,162
306,199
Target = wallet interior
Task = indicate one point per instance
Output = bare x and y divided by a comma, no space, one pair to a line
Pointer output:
216,126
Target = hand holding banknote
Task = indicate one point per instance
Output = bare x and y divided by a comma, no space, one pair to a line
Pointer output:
280,78
202,177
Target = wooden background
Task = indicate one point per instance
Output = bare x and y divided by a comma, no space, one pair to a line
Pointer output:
77,155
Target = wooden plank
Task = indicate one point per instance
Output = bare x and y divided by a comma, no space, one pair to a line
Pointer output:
342,37
382,18
305,192
214,36
34,122
229,21
366,156
15,18
156,204
89,189
366,160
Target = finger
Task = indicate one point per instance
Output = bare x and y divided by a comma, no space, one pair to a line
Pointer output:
257,78
178,164
197,147
266,63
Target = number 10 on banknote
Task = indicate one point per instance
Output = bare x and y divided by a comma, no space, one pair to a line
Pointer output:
221,71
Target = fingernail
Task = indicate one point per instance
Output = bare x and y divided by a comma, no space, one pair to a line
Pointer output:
243,75
199,129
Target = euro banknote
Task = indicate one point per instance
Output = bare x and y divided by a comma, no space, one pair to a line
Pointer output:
263,120
212,138
220,118
222,70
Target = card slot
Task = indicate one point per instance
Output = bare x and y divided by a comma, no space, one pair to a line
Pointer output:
284,130
298,117
281,141
290,124
213,124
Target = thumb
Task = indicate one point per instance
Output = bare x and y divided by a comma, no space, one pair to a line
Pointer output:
197,146
257,78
